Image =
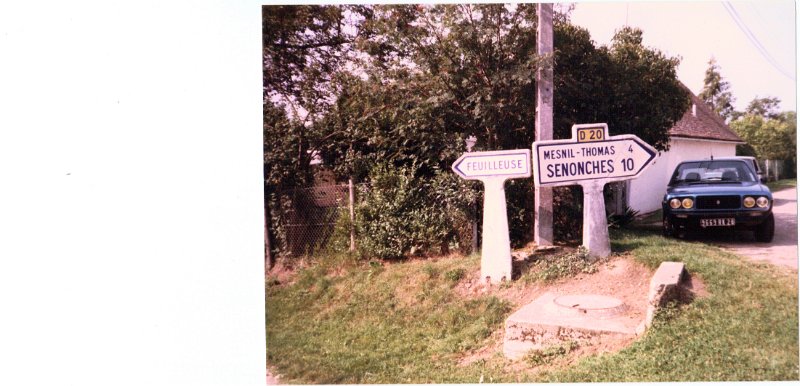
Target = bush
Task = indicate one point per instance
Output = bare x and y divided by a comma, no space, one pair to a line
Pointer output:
617,221
401,214
568,213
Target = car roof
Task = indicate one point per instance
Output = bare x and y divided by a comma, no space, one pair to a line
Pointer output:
753,160
745,157
714,159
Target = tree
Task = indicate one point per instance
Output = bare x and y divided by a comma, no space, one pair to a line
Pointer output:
716,92
768,133
303,46
418,79
766,107
446,71
645,96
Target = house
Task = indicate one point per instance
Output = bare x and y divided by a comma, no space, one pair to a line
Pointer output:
701,133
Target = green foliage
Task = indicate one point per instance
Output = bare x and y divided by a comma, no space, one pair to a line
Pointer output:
551,268
454,275
519,210
406,84
766,107
282,166
782,184
618,84
716,91
617,221
641,78
401,214
770,138
339,240
303,46
568,213
770,135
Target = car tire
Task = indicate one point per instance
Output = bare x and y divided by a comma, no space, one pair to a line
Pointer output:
667,227
766,230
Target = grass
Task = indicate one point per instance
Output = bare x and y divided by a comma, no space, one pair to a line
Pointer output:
782,184
554,267
391,323
546,355
345,321
747,329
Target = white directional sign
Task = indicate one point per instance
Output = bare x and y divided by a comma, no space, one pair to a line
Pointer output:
591,159
493,168
502,163
590,155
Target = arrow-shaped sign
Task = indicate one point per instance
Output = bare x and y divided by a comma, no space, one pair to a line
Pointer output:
480,165
493,168
566,162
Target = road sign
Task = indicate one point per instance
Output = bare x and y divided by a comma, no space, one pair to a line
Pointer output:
503,163
591,159
493,168
590,155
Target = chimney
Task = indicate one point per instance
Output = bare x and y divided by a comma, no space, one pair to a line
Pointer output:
694,110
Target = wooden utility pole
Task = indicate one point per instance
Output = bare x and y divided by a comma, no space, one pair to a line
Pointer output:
543,212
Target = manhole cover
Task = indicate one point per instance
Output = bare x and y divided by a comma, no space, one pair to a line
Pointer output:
591,305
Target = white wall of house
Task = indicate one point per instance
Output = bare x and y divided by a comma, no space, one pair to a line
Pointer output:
645,193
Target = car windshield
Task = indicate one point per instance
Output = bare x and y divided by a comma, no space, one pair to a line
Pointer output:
711,172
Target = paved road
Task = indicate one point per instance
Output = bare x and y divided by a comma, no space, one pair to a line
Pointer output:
782,250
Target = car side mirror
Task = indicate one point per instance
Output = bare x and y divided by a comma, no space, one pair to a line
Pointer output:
763,180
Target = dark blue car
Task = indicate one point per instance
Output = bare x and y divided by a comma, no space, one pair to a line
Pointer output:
717,194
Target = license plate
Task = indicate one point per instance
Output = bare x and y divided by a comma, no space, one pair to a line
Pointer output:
717,222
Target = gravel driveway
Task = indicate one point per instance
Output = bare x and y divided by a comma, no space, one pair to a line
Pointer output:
782,250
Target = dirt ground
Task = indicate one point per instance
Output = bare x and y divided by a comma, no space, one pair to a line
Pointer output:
619,277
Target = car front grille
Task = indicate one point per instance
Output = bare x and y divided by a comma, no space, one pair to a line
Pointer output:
718,202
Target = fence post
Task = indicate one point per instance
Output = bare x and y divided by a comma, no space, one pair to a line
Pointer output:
352,215
269,259
475,228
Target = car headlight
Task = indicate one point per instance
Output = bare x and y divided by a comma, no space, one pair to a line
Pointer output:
762,202
674,203
749,202
687,203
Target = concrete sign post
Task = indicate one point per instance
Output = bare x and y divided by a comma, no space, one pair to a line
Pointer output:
591,158
493,168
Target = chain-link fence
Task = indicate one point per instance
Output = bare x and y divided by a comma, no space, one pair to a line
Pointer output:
319,219
305,220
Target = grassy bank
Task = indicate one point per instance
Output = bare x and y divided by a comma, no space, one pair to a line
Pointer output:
343,321
746,329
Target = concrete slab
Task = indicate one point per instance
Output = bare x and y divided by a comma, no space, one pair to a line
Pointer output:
597,306
552,319
664,286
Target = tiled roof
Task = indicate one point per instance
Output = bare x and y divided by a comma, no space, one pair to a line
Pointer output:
705,124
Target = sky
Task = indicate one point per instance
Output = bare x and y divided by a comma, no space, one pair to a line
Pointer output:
696,31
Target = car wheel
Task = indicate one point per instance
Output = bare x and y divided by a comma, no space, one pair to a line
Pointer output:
766,230
668,228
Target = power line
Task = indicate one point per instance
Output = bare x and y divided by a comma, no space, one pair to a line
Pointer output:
750,36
